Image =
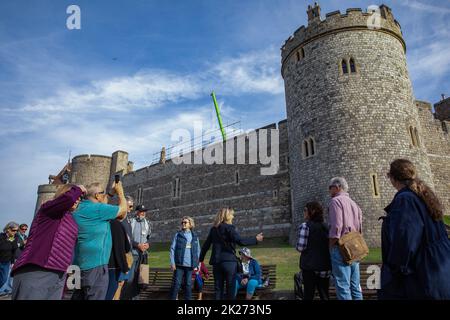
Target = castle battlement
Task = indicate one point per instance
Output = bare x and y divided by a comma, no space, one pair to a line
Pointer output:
89,157
334,22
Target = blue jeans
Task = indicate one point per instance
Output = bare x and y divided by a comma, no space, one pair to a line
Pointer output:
225,272
178,278
113,283
346,277
251,286
5,278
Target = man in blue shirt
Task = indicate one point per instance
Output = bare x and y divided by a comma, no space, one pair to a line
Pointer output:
94,243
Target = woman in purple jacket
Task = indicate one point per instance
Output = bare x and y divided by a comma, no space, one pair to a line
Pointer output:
39,273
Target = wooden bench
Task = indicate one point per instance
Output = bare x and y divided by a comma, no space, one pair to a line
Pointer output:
160,282
366,281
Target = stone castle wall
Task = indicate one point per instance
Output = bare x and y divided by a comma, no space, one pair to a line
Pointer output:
261,203
435,140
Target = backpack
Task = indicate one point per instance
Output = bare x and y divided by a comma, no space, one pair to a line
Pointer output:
353,247
298,286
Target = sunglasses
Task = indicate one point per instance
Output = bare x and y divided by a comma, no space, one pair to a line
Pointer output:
330,187
24,229
184,222
14,230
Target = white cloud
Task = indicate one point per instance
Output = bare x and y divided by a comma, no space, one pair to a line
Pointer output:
256,72
417,5
145,89
430,61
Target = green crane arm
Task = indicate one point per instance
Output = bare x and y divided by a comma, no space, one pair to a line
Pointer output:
224,136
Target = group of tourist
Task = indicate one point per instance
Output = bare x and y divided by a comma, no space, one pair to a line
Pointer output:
415,245
78,227
12,241
109,245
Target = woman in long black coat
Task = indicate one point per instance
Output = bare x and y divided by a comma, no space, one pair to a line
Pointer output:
223,237
415,246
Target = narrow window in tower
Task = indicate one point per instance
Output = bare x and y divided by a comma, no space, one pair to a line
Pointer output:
174,189
416,135
139,195
344,66
413,138
312,147
178,188
375,188
352,66
275,194
298,56
305,149
302,53
236,177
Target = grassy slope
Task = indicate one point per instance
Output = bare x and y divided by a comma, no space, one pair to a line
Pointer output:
271,251
447,220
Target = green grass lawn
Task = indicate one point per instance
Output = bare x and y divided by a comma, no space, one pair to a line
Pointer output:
447,220
271,251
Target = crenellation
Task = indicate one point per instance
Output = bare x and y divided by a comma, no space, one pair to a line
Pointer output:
354,19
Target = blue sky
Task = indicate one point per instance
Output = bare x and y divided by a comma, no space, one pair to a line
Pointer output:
137,70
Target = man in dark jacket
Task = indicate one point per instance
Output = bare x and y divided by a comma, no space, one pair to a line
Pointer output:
22,238
8,247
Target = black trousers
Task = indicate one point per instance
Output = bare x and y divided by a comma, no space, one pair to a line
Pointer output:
224,272
311,281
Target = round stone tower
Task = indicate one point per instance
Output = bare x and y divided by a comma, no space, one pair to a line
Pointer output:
45,192
350,110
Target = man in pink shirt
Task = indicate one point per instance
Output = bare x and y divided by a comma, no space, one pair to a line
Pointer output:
344,216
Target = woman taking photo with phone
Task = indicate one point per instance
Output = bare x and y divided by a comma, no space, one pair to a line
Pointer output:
39,273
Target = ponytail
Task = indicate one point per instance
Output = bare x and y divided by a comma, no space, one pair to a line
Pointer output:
425,193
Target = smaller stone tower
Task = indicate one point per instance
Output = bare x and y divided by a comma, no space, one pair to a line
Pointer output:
45,192
442,109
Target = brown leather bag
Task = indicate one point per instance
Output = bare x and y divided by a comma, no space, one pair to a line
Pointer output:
353,247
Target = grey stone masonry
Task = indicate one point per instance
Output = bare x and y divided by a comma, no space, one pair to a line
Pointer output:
358,115
434,138
261,202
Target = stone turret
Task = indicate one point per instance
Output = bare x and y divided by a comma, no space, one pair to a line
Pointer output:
162,159
442,109
349,105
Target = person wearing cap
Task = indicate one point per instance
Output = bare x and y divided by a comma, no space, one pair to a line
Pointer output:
249,276
140,231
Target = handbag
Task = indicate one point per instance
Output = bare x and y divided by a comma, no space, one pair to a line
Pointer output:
144,274
353,247
129,258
